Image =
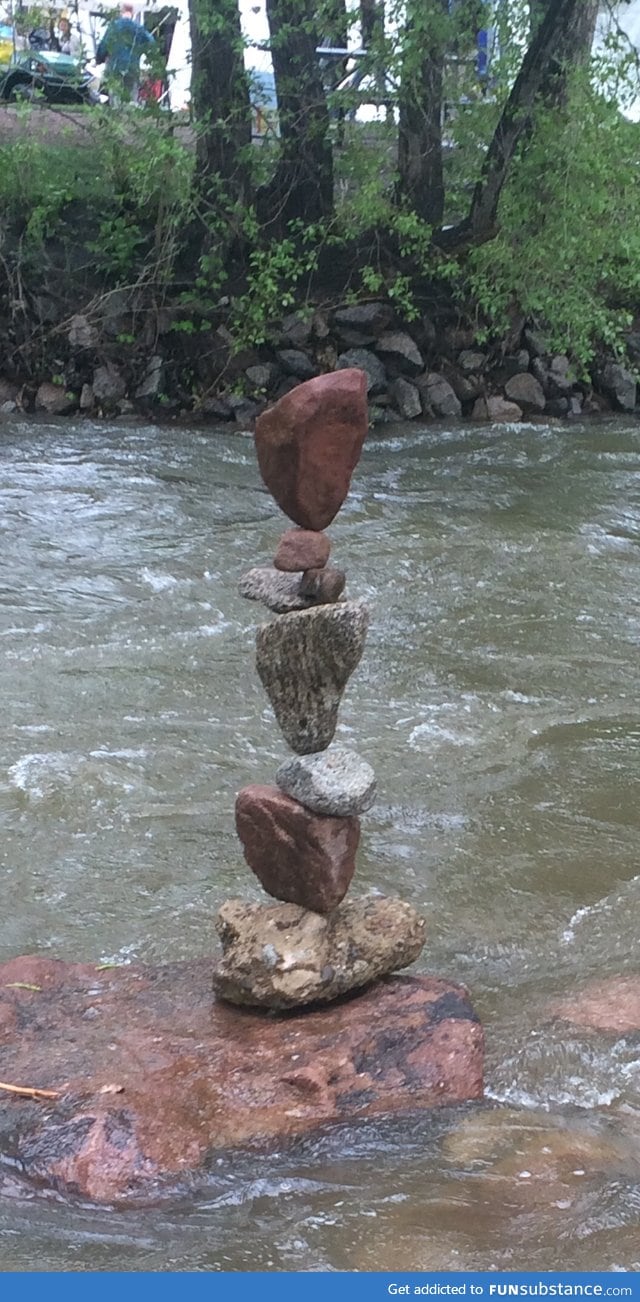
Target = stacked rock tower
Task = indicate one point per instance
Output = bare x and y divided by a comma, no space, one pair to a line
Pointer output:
300,837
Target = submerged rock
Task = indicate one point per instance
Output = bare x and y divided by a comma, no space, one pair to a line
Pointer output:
154,1076
281,956
611,1005
337,782
309,443
297,855
305,661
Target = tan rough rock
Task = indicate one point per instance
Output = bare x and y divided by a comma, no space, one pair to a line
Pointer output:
305,660
282,956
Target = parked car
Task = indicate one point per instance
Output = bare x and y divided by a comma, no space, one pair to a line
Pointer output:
38,72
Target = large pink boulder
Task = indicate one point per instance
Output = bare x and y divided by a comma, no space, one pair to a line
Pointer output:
309,444
153,1075
298,856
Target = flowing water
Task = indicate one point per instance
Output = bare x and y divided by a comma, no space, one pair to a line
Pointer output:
499,703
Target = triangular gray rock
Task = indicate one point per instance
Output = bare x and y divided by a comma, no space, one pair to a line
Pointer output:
305,660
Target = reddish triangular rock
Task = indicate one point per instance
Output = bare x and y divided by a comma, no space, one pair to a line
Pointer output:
297,855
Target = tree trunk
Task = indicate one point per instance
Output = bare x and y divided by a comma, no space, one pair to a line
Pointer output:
372,40
559,39
573,52
578,47
302,187
220,97
420,176
371,22
333,23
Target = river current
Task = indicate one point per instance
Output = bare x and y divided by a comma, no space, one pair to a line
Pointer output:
498,701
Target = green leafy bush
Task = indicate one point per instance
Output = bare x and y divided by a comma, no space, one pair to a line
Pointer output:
568,250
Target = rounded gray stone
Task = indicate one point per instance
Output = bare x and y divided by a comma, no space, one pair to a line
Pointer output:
335,782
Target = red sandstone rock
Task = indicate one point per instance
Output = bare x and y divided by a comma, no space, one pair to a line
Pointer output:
309,444
323,586
302,549
298,856
610,1004
155,1075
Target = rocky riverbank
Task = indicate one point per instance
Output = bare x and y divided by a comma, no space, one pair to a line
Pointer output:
121,356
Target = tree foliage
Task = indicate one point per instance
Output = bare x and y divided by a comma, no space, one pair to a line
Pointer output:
516,192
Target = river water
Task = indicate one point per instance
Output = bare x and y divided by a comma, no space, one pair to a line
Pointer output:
499,703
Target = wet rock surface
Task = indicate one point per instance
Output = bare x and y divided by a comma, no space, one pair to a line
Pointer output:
323,586
280,956
610,1005
276,589
337,782
309,443
297,855
324,646
302,549
155,1076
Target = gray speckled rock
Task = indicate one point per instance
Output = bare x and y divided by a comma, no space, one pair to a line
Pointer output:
305,661
274,588
281,955
336,782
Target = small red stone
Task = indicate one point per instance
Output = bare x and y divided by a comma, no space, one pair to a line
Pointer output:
309,443
302,549
298,856
323,586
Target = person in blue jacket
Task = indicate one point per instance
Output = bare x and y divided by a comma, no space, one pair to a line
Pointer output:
122,47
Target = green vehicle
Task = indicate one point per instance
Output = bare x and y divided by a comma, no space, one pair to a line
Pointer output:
40,73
